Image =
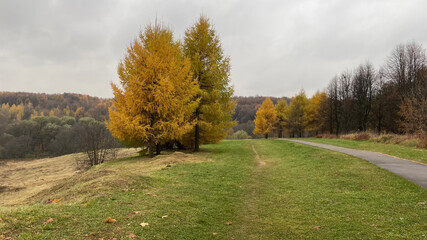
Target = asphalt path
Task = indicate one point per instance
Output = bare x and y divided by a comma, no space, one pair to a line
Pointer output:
413,171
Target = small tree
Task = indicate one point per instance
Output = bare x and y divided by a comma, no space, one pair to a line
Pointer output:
95,140
282,110
298,114
265,119
317,112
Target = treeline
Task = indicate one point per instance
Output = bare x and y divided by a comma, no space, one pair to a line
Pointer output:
24,106
301,117
391,99
44,136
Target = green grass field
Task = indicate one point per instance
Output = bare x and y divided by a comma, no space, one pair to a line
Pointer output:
266,189
401,151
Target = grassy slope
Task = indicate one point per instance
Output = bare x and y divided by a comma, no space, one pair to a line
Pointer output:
299,187
401,151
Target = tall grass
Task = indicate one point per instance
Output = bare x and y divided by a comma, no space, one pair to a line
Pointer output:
419,141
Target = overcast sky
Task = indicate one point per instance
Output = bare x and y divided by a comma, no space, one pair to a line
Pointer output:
276,47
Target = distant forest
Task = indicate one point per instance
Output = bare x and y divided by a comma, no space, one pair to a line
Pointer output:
26,105
39,124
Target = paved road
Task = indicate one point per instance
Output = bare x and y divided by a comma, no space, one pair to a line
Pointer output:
415,172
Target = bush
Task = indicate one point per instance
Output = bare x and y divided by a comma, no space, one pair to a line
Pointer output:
423,141
362,136
240,135
326,135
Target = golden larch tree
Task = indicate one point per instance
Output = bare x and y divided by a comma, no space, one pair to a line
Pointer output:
297,115
282,110
266,118
316,112
212,71
157,94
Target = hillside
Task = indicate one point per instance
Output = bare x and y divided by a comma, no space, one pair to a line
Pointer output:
268,189
65,104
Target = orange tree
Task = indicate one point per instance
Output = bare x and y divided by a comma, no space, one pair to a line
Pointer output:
157,93
266,118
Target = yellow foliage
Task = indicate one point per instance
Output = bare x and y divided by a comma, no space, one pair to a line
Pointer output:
314,113
14,112
282,110
157,93
266,118
212,71
297,115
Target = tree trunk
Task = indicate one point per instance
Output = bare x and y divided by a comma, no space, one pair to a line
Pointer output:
197,132
179,145
280,131
151,148
158,148
266,136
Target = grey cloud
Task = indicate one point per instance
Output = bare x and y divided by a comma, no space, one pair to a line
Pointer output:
277,47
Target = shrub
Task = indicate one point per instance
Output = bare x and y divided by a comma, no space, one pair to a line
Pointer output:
240,135
362,136
327,135
422,141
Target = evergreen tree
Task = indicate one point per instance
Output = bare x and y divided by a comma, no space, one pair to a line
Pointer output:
157,93
212,71
266,118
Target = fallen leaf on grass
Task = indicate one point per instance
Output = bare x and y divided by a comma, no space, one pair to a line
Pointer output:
134,213
317,227
57,200
422,203
1,219
110,220
374,225
213,233
48,221
131,235
229,223
143,224
165,216
423,236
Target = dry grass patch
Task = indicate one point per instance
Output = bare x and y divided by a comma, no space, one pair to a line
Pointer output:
23,179
125,174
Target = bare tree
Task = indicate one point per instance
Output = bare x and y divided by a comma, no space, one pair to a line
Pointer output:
362,87
345,97
334,106
95,140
